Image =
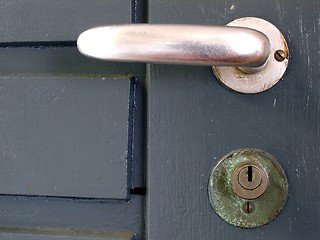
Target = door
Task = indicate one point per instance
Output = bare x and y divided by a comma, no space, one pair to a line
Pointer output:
73,140
194,121
69,147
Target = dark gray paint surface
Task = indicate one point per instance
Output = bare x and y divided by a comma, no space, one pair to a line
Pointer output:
62,62
59,20
17,212
64,137
193,121
14,236
68,117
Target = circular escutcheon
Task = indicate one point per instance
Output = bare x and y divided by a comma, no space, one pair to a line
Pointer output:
244,81
237,210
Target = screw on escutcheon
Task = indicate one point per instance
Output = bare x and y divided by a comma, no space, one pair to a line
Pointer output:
280,55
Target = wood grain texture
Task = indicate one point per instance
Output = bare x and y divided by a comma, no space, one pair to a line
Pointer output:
59,20
193,121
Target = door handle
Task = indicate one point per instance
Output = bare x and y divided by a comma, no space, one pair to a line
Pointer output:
249,55
181,44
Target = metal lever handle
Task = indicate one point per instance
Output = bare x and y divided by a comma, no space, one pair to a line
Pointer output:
252,45
181,44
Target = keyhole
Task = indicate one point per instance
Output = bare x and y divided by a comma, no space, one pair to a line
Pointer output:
248,207
249,173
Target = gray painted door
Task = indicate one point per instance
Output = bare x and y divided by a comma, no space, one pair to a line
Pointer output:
72,129
69,138
193,121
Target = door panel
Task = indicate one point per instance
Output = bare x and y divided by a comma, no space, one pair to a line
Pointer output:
62,137
67,216
194,121
59,20
70,148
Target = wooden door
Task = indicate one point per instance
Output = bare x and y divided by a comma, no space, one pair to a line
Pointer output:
194,121
73,143
67,129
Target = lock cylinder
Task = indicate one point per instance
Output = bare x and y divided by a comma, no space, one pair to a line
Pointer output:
249,181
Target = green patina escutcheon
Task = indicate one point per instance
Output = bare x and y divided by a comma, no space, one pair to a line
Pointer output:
229,206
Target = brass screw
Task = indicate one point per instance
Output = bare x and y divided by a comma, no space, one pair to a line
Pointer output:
280,55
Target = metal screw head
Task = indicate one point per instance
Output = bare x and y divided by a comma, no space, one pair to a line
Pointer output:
280,55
